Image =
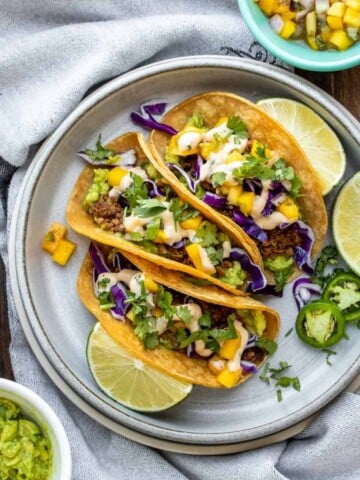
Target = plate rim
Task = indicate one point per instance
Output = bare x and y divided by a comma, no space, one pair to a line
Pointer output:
34,171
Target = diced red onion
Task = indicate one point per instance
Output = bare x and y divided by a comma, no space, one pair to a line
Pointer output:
276,23
303,289
258,279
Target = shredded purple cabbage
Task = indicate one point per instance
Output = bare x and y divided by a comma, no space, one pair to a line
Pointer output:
198,163
302,255
145,118
252,185
190,182
98,259
248,367
258,279
155,190
190,350
119,295
179,244
277,189
249,226
214,200
303,289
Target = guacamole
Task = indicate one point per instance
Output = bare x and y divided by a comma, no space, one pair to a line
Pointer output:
24,450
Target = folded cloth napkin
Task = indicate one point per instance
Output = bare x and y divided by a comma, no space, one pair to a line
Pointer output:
51,53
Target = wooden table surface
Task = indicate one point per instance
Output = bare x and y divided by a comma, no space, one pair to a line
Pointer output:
343,86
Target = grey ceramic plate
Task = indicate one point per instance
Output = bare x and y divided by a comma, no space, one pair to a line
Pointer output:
46,297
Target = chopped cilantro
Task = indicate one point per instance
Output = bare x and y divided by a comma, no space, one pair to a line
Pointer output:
149,207
269,345
151,340
205,320
279,395
106,300
328,256
289,332
164,301
103,282
218,178
215,255
329,352
281,380
184,314
136,191
253,167
207,234
101,153
136,237
152,229
181,210
237,126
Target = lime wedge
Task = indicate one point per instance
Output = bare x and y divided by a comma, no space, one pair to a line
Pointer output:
129,381
346,222
318,140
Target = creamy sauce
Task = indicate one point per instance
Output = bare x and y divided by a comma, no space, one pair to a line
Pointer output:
267,222
205,261
234,364
127,181
226,248
189,140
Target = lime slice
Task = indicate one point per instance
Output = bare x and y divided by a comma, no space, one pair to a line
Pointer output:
346,222
318,140
128,380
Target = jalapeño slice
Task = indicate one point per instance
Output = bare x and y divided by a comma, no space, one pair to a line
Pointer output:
344,290
320,323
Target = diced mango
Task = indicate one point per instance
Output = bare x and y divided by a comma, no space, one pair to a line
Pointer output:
192,223
288,29
157,312
229,348
352,17
221,121
355,4
229,378
281,6
63,251
256,145
289,208
325,33
161,237
334,23
57,231
194,252
289,15
150,285
208,147
337,9
235,156
131,315
267,6
216,364
115,176
340,40
234,194
246,202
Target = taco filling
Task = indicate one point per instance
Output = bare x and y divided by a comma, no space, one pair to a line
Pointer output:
131,201
225,337
246,181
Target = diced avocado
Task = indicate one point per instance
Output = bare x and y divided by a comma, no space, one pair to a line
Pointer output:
98,187
234,275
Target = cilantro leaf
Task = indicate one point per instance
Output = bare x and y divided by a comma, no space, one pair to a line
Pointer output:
215,255
151,340
164,301
254,167
328,256
101,153
269,345
149,207
181,211
218,178
237,126
184,314
136,191
205,320
207,234
152,229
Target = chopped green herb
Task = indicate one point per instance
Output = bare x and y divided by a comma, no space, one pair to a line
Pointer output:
149,207
218,178
196,121
101,153
329,352
152,229
269,345
328,256
151,340
164,300
237,126
136,191
289,332
184,314
106,300
264,375
279,395
207,234
205,320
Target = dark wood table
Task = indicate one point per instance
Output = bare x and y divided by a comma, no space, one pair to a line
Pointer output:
343,86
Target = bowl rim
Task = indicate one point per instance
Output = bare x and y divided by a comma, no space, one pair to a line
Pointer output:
323,65
45,412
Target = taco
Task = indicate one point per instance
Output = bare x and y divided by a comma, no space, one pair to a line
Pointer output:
123,201
201,335
232,157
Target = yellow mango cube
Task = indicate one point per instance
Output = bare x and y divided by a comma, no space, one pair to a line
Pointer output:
194,251
334,23
255,146
192,223
235,156
56,232
229,378
115,176
131,315
267,6
246,202
340,40
289,15
216,364
150,285
229,348
63,251
355,4
288,29
161,237
221,121
352,17
289,208
234,194
326,33
337,9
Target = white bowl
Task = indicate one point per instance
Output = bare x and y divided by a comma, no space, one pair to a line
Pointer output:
35,408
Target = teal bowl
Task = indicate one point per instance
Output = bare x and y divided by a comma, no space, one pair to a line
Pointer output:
295,53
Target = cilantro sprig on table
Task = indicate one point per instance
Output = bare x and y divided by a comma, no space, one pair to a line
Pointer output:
101,153
281,380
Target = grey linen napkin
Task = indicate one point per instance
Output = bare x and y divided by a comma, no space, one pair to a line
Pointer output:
51,53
